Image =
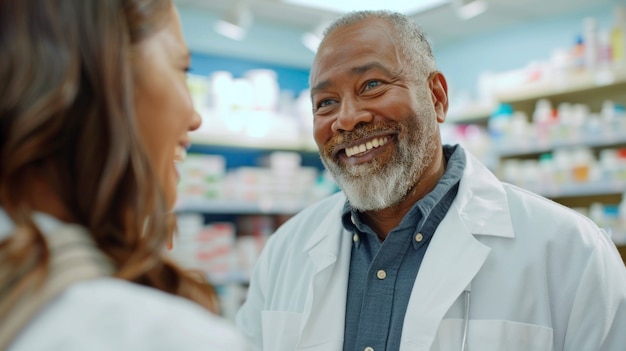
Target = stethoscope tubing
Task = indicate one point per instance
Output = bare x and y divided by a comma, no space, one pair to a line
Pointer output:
467,294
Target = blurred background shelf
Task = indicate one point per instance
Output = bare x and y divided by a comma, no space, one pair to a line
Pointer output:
240,140
579,190
566,87
533,147
471,113
239,207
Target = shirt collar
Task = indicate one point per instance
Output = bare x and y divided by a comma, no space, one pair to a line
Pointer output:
421,216
45,223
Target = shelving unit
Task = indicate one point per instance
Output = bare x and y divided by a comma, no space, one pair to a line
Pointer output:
204,139
523,149
477,113
237,207
590,88
252,213
584,86
581,194
248,154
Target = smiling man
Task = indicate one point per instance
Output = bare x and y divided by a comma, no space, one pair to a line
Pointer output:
423,249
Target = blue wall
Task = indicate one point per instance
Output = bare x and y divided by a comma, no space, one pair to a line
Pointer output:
512,48
265,42
289,78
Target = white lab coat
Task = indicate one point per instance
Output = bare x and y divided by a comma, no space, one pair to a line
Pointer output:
106,313
112,314
542,277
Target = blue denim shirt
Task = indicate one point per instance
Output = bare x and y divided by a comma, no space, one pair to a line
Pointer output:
382,273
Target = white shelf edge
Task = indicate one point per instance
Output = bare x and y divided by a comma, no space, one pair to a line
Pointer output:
471,113
242,141
536,148
579,189
573,83
238,207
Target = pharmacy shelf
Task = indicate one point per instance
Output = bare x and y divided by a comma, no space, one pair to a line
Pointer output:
581,82
238,207
592,88
579,189
605,83
529,147
471,113
249,142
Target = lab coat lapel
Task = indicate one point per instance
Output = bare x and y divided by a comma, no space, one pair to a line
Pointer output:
329,250
452,260
454,255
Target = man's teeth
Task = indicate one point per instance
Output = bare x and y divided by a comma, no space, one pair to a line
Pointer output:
180,154
376,142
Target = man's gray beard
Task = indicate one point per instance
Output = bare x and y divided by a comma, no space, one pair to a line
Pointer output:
370,190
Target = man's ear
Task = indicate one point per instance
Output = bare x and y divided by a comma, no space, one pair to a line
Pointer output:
439,94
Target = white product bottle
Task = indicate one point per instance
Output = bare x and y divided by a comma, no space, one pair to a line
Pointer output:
590,39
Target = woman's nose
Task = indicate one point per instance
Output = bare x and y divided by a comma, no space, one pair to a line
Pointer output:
196,121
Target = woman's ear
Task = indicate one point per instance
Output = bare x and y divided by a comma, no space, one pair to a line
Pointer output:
439,93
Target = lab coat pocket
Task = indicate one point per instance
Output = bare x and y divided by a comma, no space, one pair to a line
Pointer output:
493,335
289,325
334,345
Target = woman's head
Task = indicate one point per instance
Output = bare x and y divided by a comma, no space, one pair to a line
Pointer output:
86,100
163,106
94,110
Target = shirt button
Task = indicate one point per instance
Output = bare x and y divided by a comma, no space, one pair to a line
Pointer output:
419,237
381,274
369,349
355,238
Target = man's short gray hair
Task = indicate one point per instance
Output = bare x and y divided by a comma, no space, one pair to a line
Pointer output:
410,36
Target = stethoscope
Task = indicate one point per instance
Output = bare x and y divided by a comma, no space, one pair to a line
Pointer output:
467,294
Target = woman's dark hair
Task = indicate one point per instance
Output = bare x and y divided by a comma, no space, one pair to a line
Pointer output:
66,112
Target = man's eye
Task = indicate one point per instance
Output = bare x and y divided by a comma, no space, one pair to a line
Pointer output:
324,103
372,84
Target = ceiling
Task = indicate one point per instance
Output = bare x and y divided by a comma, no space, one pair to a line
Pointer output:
441,23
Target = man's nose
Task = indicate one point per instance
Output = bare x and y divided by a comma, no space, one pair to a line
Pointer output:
351,114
